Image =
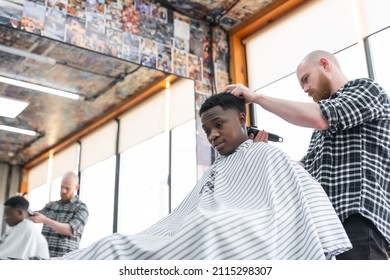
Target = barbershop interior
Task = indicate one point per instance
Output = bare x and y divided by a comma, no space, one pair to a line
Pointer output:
111,91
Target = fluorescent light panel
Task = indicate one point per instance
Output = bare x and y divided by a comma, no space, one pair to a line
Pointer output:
11,107
37,57
17,130
39,88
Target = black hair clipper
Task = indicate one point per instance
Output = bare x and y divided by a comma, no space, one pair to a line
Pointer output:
271,137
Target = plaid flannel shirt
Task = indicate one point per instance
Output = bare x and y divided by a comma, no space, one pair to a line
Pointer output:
351,159
75,213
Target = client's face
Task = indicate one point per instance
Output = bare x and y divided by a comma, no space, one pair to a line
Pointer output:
12,216
225,129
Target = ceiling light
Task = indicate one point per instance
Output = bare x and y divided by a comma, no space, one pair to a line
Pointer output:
37,57
17,130
39,88
11,107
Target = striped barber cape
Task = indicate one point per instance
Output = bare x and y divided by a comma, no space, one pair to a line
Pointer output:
255,203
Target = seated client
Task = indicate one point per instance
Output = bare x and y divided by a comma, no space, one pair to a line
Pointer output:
253,202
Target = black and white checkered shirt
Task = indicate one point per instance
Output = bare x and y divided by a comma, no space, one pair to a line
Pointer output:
351,159
75,213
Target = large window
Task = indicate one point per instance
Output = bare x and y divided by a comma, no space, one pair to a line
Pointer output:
295,138
97,192
97,185
39,189
380,46
143,194
183,153
38,197
55,189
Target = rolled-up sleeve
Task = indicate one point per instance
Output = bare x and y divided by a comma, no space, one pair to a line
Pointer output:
354,106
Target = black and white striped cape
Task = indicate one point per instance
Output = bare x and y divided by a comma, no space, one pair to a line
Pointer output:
253,204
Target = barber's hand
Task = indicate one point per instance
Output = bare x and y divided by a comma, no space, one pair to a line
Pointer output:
241,91
262,136
37,218
20,194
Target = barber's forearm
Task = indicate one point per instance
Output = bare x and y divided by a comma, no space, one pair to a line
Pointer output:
298,113
61,228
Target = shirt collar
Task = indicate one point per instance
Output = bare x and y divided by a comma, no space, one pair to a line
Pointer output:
72,200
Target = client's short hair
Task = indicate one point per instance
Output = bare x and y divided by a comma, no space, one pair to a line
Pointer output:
225,100
17,202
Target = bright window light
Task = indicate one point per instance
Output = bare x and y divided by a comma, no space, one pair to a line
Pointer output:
39,88
17,130
11,108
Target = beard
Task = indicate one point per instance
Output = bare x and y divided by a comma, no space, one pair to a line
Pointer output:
323,90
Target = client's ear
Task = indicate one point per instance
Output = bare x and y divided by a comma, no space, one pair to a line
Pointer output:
242,118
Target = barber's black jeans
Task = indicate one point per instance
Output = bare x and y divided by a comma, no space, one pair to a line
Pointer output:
368,243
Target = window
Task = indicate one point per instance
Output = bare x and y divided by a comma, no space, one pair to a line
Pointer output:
38,197
97,188
183,172
55,189
379,47
295,138
143,189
